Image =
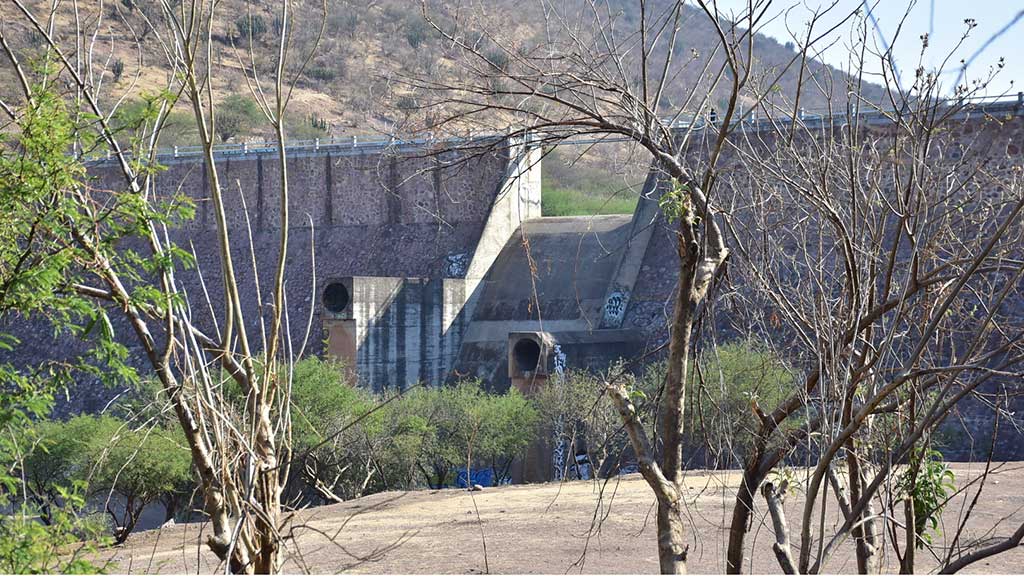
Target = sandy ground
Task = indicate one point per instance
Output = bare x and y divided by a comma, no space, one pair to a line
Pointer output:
591,527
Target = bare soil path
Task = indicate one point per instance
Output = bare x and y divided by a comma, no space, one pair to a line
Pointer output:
593,527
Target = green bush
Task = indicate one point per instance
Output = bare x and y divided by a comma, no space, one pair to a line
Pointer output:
348,443
28,546
728,382
719,419
351,443
466,426
416,30
323,73
928,482
34,540
105,453
236,116
251,26
134,119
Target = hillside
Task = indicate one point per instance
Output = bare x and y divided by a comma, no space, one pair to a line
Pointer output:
350,85
355,83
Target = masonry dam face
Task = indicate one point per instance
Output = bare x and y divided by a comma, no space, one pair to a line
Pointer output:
416,264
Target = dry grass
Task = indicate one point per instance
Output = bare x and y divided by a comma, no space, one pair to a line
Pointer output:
549,528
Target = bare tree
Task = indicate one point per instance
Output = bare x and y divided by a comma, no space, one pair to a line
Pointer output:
885,247
593,72
862,248
240,454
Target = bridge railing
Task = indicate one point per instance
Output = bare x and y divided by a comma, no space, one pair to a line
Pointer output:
362,144
755,118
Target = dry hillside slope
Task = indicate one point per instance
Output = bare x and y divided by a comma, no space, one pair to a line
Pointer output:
350,85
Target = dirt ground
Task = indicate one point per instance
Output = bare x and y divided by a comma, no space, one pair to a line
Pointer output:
589,527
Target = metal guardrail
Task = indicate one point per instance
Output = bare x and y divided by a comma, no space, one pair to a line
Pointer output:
353,143
751,120
824,115
356,144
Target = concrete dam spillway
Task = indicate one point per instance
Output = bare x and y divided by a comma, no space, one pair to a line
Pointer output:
428,263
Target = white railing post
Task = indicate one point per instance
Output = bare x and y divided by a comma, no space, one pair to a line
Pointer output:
355,141
175,151
316,144
245,147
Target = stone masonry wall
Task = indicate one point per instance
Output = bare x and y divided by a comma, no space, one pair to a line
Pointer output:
407,212
994,142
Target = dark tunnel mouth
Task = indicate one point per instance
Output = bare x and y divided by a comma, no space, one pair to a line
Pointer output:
526,354
336,297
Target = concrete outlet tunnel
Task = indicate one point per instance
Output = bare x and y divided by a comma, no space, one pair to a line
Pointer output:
336,298
526,353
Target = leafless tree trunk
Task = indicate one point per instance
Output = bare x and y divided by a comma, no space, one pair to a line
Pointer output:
853,236
593,77
242,460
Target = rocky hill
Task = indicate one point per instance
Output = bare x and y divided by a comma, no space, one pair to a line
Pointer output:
350,85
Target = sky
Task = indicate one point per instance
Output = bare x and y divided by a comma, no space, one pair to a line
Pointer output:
942,20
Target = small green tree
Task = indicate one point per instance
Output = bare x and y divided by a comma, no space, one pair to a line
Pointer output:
730,384
63,456
463,425
336,462
56,539
506,424
926,486
237,115
105,453
143,466
134,118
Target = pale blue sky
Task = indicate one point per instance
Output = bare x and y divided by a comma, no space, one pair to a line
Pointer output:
945,25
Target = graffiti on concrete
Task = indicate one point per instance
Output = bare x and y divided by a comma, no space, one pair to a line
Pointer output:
559,361
582,465
456,264
481,477
615,308
558,454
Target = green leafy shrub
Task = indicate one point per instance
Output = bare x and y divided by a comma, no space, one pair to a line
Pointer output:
728,382
416,30
351,443
33,540
928,481
105,453
236,116
322,73
135,118
28,546
465,425
251,26
719,418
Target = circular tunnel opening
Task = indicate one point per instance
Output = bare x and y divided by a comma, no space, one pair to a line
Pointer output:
336,297
526,353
